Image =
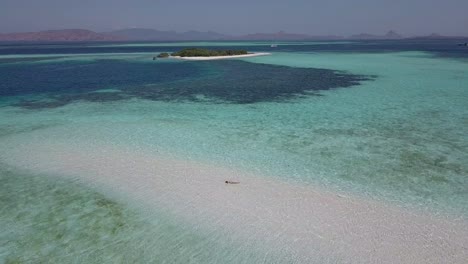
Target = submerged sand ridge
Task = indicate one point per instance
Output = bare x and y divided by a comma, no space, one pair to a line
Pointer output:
310,223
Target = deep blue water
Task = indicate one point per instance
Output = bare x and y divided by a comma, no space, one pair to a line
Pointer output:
65,81
82,76
226,81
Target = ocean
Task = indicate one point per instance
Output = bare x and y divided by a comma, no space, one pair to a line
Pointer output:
109,156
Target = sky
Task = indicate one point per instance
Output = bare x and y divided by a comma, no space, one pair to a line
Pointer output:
314,17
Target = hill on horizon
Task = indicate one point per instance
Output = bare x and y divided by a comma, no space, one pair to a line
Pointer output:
60,35
145,34
389,35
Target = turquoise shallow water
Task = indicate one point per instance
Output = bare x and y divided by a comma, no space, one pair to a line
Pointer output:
51,220
387,125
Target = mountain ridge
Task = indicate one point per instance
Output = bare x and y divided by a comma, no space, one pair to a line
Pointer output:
59,35
145,34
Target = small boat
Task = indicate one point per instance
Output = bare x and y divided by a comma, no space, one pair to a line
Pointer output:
274,46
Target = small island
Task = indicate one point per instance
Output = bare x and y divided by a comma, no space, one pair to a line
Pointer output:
206,54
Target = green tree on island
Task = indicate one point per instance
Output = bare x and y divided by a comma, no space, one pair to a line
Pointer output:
163,55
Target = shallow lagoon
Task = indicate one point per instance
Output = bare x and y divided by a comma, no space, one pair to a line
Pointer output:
392,130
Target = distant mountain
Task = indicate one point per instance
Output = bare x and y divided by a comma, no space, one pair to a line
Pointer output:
281,36
392,35
158,35
144,34
59,35
389,35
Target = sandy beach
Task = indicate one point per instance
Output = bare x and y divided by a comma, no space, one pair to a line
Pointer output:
255,54
307,221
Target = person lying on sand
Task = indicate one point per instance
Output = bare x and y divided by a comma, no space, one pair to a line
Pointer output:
231,182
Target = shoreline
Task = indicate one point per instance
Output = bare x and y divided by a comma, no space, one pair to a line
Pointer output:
308,221
254,54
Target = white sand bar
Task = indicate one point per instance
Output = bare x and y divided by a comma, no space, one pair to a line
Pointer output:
255,54
308,222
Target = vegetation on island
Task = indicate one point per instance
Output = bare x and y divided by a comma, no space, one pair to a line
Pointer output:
163,55
197,52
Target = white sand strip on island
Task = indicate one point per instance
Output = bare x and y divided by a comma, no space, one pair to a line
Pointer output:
308,222
255,54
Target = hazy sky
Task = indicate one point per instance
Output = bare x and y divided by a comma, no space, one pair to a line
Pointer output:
316,17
